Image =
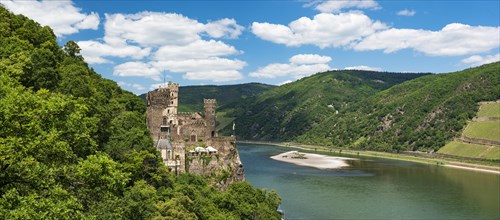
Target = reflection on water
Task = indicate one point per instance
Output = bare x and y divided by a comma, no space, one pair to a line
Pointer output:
373,188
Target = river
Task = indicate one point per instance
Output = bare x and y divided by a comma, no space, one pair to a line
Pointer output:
373,188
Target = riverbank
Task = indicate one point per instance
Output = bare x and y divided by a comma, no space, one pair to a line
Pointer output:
312,160
413,158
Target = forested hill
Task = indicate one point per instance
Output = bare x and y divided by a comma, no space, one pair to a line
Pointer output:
191,97
73,145
290,110
420,114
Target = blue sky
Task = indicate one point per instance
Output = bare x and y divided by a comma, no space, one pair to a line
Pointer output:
139,43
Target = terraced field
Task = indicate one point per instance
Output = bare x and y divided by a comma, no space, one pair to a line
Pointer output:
486,128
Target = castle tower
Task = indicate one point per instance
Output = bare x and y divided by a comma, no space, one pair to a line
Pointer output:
209,106
161,110
174,97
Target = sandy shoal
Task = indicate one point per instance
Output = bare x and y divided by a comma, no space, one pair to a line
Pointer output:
313,160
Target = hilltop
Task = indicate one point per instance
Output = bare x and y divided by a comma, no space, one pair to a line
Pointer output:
420,114
290,110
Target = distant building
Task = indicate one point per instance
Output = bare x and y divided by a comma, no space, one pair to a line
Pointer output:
178,134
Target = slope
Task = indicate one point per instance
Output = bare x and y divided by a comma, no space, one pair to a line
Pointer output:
290,110
420,114
477,141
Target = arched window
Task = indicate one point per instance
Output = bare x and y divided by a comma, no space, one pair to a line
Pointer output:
164,121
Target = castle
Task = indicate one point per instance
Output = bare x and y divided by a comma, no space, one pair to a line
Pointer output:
188,141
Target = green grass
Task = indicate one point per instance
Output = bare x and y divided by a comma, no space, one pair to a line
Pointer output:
489,110
489,130
463,149
493,153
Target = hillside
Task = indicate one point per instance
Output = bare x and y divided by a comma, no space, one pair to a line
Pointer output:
191,97
421,114
481,136
73,145
285,112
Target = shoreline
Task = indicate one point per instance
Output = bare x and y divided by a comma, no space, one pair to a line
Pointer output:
386,155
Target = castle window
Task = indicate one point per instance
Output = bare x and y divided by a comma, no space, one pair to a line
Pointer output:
168,110
170,121
172,102
164,121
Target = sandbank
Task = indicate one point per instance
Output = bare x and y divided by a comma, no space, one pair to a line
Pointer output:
312,160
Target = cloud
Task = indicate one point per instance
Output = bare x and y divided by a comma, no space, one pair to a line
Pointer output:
285,82
226,27
137,69
295,70
453,40
167,42
477,60
324,30
214,75
309,59
62,16
94,52
213,69
131,85
336,6
157,29
367,68
406,12
197,49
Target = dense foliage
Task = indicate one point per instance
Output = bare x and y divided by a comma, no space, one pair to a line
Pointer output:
421,114
191,97
285,112
74,145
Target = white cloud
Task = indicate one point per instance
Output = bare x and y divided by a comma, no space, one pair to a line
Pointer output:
62,16
198,49
94,52
175,42
157,29
453,40
136,86
295,70
225,27
406,12
367,68
137,69
198,65
336,6
214,75
309,59
477,60
152,28
213,69
285,82
324,30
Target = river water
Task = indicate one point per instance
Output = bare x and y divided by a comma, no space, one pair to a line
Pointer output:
373,188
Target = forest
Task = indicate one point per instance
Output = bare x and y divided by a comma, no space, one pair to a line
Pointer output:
74,145
368,110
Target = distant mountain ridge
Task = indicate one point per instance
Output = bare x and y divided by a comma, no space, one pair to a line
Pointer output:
286,112
191,97
421,114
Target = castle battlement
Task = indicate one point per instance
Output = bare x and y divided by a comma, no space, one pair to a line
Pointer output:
209,101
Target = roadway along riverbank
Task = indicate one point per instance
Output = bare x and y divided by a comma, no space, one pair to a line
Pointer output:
420,158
